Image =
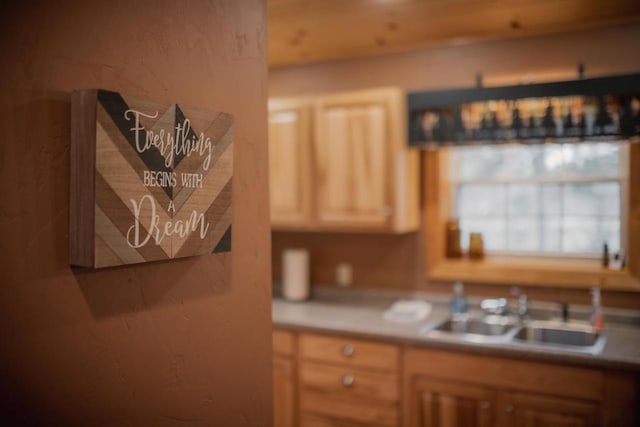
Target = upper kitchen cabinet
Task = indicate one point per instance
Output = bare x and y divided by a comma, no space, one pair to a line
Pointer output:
290,162
362,176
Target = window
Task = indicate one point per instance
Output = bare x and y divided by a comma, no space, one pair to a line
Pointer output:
546,200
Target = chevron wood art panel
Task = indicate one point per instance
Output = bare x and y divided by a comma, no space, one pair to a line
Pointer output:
149,181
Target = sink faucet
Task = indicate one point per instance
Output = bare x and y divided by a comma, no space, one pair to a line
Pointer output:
523,310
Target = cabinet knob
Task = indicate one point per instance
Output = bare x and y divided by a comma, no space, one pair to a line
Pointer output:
485,405
348,350
348,380
508,409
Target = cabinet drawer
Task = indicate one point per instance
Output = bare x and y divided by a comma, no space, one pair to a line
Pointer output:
349,394
311,421
283,342
349,383
355,411
349,352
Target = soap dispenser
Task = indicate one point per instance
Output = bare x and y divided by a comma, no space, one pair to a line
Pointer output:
458,302
597,317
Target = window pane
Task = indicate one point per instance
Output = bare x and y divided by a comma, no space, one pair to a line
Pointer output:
584,235
540,198
476,200
552,199
479,162
524,199
598,159
592,199
552,234
524,234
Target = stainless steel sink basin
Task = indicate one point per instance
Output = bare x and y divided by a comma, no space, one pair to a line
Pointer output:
577,336
486,329
474,326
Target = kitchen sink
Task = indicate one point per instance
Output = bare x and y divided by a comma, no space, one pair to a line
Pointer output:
486,329
570,335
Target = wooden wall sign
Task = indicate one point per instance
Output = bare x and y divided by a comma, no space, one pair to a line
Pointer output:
149,181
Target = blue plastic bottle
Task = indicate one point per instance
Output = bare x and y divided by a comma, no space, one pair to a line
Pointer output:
458,302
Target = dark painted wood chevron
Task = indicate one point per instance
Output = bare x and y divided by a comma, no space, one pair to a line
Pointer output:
115,105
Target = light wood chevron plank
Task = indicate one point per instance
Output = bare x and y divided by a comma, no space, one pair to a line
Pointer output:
166,122
113,239
219,217
126,183
118,212
221,133
182,194
105,257
203,197
106,129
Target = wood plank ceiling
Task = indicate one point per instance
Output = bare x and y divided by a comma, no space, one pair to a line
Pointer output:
302,31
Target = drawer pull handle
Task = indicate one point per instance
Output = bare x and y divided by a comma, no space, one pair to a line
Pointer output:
348,380
485,405
508,409
348,350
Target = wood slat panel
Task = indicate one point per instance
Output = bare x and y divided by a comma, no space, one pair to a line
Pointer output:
309,30
365,354
283,342
535,377
368,386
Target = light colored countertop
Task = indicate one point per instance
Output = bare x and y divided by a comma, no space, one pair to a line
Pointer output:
360,314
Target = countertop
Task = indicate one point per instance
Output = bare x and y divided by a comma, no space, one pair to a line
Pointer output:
360,314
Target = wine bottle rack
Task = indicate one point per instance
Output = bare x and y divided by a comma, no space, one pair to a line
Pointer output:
599,109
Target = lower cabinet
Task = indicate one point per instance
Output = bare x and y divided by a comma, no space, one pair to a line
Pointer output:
284,379
437,403
522,409
329,381
283,393
451,389
348,383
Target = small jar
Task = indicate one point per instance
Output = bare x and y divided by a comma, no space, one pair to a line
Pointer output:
476,246
453,239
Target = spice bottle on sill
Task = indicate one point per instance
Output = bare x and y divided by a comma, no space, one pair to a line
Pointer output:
476,246
454,250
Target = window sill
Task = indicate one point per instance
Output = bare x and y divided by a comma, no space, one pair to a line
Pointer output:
523,273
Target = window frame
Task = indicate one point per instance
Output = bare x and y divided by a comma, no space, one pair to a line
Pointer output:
622,179
569,272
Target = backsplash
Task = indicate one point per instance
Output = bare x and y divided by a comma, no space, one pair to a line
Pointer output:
378,260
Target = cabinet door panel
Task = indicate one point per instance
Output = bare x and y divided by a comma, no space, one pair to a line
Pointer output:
283,398
289,163
437,403
351,154
528,410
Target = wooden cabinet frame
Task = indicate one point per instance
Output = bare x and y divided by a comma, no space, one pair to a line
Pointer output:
399,212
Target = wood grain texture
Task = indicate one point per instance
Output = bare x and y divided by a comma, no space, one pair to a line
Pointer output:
349,352
303,31
346,167
548,411
163,180
559,380
283,343
291,164
284,399
82,178
436,403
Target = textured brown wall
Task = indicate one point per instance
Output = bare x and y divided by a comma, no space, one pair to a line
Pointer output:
159,344
388,261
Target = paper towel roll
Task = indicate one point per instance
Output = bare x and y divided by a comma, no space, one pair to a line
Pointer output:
295,274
